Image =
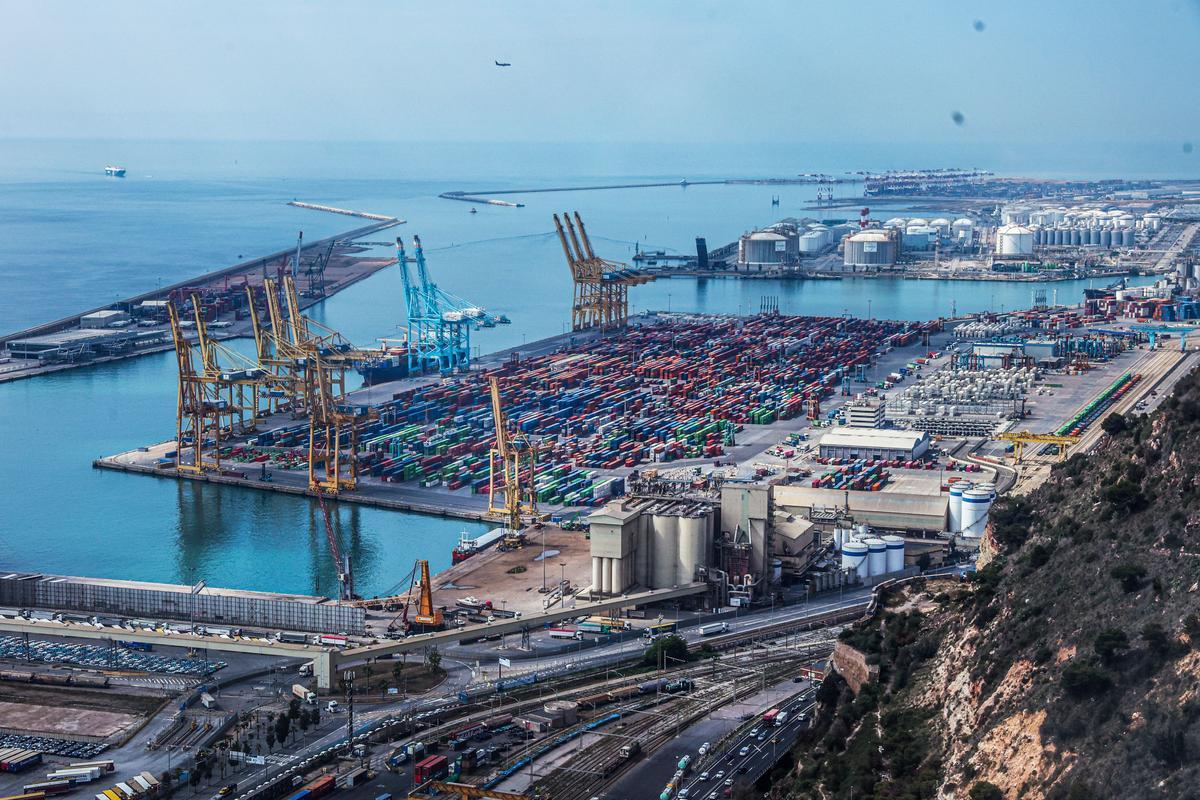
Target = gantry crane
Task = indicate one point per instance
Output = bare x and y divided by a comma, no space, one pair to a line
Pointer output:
514,460
332,430
601,288
341,563
1022,438
439,323
213,401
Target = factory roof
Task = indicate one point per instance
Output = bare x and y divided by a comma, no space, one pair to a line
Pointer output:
71,337
877,437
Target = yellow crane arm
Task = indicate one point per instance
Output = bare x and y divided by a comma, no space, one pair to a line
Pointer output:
587,243
255,327
498,418
580,257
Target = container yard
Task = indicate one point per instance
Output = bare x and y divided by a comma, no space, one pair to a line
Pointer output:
675,389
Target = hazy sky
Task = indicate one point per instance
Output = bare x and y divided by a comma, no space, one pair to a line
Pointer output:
1044,70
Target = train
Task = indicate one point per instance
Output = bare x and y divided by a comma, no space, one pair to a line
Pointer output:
55,679
626,692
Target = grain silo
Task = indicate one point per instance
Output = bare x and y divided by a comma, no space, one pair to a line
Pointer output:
665,550
693,547
895,553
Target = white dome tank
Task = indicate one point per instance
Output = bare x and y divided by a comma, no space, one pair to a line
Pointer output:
666,550
956,493
876,556
854,556
974,512
1014,240
895,553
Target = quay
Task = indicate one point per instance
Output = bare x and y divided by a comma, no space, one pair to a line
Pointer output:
341,269
346,211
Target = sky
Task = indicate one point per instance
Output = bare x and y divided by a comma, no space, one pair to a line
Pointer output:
1015,70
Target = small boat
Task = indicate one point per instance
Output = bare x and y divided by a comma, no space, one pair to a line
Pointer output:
116,172
473,211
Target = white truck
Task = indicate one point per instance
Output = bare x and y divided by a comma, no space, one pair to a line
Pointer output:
712,629
207,700
304,693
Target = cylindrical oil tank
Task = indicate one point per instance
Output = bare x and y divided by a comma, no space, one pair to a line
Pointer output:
876,556
1127,238
1076,236
975,503
1093,236
1106,238
563,712
692,554
956,493
854,556
895,553
666,550
1014,240
962,228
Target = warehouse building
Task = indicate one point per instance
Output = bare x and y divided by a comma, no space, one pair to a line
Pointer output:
887,510
108,318
874,443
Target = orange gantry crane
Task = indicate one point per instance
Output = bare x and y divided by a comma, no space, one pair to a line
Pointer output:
427,617
601,287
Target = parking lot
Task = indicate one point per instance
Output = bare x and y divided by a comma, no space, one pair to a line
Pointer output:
116,657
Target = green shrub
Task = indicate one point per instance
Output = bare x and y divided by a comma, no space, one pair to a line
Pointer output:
1081,680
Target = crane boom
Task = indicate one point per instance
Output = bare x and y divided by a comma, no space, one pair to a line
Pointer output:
341,565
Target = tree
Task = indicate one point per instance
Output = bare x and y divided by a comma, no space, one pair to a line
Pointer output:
303,721
316,715
294,708
433,659
283,724
665,651
1081,680
1114,424
1130,575
270,740
1110,643
984,790
1159,640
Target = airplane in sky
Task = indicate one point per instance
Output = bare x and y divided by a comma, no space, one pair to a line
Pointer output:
503,64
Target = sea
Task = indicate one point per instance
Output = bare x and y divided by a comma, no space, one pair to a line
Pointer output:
74,239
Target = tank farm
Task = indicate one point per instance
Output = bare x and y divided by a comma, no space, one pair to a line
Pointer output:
679,388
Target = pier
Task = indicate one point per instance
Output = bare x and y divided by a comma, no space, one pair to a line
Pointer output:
346,211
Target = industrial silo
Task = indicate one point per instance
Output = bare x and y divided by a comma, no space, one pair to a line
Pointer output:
962,229
876,556
1127,238
692,553
956,493
1094,236
666,550
895,553
854,556
1076,237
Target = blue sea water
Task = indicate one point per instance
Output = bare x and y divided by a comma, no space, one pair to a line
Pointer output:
73,239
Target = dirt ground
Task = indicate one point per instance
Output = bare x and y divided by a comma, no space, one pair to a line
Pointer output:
78,698
71,722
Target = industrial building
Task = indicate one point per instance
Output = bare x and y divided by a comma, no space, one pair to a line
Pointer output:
866,413
872,443
75,344
655,544
890,510
871,250
108,318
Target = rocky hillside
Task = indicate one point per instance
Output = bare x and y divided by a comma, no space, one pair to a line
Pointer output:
1067,668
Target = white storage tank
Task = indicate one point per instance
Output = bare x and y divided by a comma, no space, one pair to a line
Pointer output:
854,556
666,551
871,248
895,553
1014,240
942,225
975,505
962,228
876,556
956,494
692,550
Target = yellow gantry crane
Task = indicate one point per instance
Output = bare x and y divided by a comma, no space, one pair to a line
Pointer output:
213,401
512,455
1022,438
601,287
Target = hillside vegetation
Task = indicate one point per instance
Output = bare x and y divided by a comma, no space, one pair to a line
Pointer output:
1066,668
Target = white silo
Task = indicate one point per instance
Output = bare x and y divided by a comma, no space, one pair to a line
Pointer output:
692,552
956,493
962,228
876,556
854,556
895,553
666,550
974,511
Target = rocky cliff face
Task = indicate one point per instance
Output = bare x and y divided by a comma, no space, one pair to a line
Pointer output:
1068,668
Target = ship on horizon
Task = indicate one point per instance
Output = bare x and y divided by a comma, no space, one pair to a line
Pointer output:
116,172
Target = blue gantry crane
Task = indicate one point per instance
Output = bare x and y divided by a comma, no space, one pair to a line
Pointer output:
439,323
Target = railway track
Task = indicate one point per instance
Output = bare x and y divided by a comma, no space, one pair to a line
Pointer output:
593,768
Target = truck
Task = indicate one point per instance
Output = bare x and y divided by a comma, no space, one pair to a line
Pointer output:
333,639
430,769
304,693
207,700
565,633
287,637
782,718
714,628
771,716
